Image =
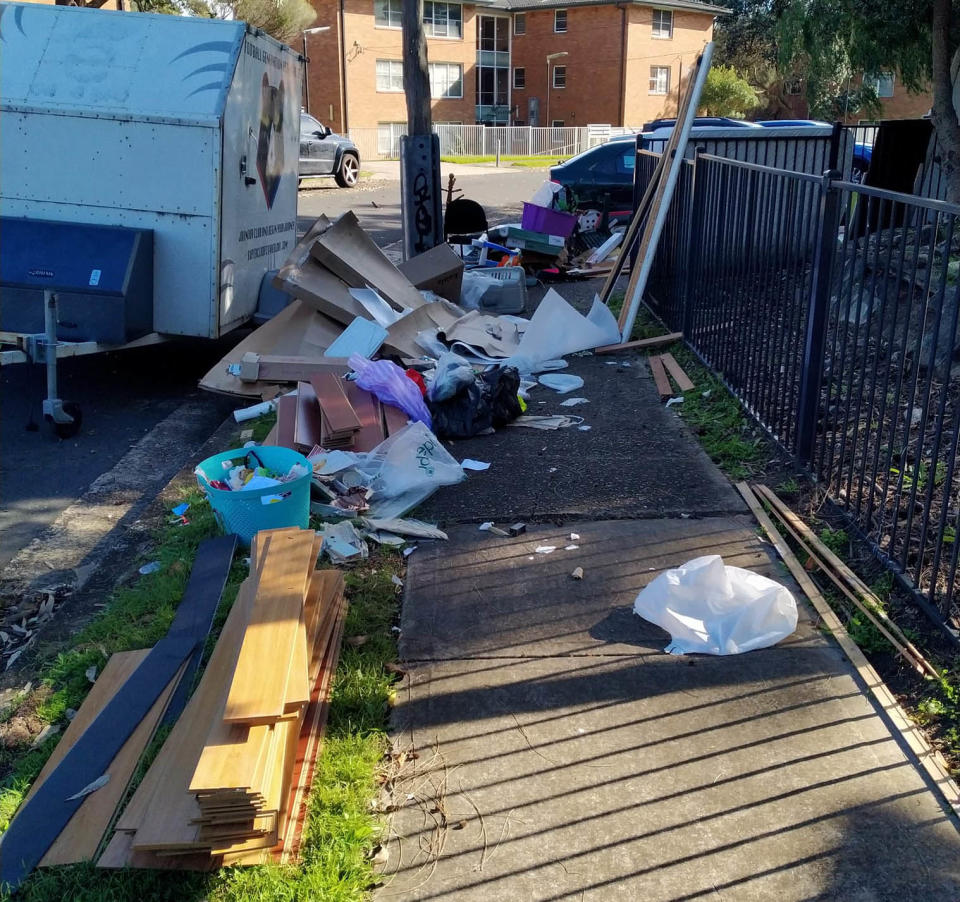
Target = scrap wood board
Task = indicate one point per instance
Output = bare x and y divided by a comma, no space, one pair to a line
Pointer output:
676,371
258,696
162,809
80,838
367,408
660,377
41,820
332,398
307,431
304,769
640,344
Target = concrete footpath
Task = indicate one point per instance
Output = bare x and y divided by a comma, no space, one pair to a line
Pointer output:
555,752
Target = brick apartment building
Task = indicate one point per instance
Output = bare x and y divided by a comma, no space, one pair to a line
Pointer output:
896,102
508,62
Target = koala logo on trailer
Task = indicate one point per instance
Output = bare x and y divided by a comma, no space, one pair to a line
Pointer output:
270,155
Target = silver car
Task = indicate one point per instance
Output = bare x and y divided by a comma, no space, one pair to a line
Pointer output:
322,153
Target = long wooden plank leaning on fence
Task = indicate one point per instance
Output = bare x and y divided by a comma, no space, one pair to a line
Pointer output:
665,180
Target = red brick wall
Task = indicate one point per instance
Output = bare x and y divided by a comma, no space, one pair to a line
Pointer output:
323,68
691,31
594,43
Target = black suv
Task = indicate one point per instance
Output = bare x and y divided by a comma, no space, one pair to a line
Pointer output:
322,153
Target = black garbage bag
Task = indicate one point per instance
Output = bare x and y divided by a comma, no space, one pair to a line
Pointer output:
489,402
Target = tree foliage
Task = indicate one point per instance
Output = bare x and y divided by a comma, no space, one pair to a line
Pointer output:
838,40
282,19
726,93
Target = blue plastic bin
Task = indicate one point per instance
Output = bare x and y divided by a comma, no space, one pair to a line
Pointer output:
245,513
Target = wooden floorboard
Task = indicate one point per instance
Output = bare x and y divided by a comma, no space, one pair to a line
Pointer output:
258,692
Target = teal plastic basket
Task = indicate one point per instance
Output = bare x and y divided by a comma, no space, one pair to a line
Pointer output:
245,513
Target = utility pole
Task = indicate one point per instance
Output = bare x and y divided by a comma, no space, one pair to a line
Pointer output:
421,209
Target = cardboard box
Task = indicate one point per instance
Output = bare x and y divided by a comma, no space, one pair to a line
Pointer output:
439,270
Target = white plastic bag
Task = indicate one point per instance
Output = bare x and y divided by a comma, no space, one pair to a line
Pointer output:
714,609
411,460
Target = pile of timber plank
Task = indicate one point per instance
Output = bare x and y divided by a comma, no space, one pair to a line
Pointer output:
330,413
75,797
229,785
330,260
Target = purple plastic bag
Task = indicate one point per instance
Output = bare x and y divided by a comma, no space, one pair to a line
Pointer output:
392,386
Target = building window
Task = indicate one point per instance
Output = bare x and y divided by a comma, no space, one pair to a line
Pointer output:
659,79
519,24
793,86
388,13
390,76
559,76
520,78
446,80
663,23
442,20
882,84
388,138
557,123
560,21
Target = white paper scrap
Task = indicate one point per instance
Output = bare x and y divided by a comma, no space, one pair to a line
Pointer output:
573,402
483,527
545,549
571,548
470,464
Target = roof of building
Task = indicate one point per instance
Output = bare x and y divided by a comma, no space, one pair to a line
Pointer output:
527,5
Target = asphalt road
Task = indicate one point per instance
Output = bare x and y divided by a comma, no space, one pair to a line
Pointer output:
376,200
124,395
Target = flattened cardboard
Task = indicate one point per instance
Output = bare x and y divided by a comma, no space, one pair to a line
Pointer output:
350,253
439,270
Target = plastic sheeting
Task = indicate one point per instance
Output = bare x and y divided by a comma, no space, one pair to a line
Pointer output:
710,608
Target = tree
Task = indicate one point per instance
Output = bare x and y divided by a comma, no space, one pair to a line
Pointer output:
282,19
727,94
747,40
835,41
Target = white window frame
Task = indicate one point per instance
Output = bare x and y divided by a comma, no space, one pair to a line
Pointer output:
557,69
429,26
656,73
556,21
657,30
875,80
557,123
436,94
388,69
521,20
390,15
523,78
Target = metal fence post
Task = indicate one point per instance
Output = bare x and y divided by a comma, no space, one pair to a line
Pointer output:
811,372
697,209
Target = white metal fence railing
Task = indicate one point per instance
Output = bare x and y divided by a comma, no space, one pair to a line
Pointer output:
382,142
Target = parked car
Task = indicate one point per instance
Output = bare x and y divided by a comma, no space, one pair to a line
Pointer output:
323,153
792,123
701,122
605,170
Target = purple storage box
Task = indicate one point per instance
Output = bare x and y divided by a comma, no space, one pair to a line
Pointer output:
547,222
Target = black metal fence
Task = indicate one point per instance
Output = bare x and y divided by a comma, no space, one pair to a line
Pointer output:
832,311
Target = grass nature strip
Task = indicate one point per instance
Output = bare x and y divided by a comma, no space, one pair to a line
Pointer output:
342,829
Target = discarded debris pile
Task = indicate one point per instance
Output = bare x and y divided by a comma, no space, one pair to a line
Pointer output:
230,784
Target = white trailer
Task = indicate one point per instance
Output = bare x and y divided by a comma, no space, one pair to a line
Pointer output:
174,132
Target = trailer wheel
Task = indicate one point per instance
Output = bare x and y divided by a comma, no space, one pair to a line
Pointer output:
69,430
349,171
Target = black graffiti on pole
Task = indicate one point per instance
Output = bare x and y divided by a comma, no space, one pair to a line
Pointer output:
422,218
